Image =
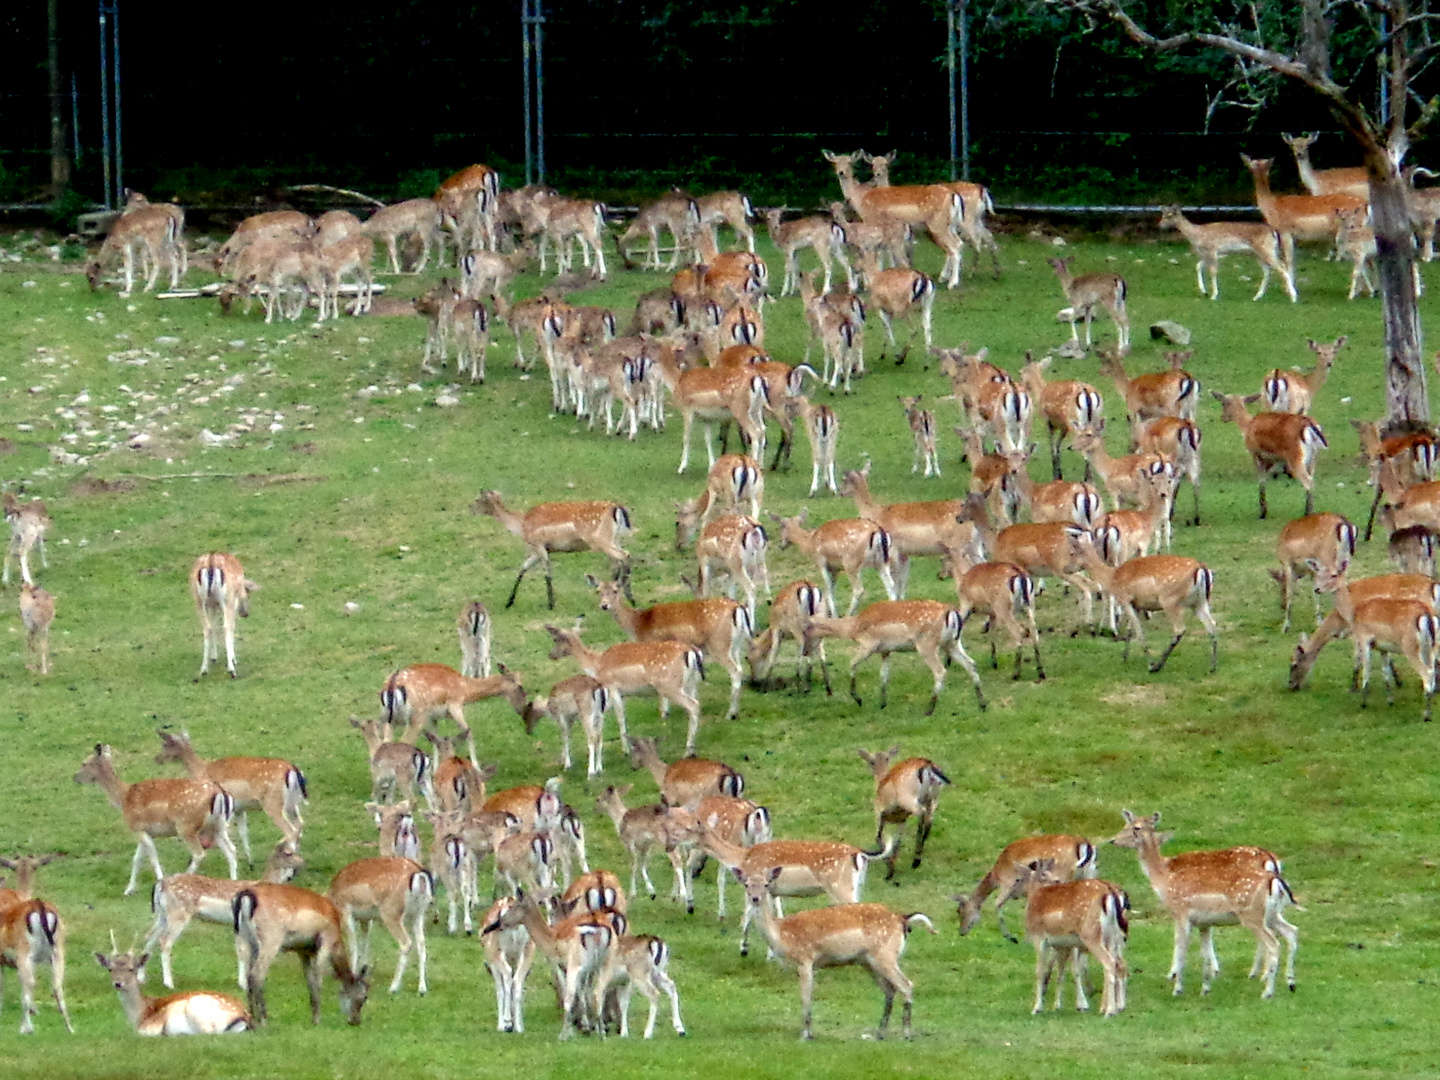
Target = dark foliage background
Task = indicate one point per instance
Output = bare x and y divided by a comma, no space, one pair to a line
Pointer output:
227,102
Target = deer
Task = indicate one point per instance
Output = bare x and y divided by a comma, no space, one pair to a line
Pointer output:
685,782
733,209
790,613
396,768
970,375
1401,463
37,612
847,545
733,479
153,232
824,235
1419,588
1412,550
577,698
1071,858
419,694
562,527
395,890
1211,242
181,898
712,395
640,962
473,626
1217,888
670,669
31,934
735,544
136,200
1178,441
921,422
459,785
222,594
509,953
1123,534
593,891
346,254
735,821
1070,407
822,429
674,211
874,242
1355,241
1127,478
285,225
867,934
643,830
525,861
1354,181
28,522
1085,293
469,200
904,789
271,919
993,476
721,627
934,206
1064,917
976,200
1288,442
194,1012
899,293
271,785
915,528
1148,397
1171,584
197,811
1296,217
1002,591
1074,502
927,627
1048,549
567,220
1326,540
414,217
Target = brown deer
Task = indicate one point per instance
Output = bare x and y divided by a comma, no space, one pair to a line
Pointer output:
904,789
562,527
1073,856
1276,442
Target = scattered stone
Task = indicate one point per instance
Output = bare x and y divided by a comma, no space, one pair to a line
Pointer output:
1170,331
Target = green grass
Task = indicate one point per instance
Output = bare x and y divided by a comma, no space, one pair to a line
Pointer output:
381,518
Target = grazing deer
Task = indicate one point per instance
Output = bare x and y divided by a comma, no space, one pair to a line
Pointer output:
271,785
271,919
1172,584
395,823
922,429
28,522
535,807
1211,242
396,768
867,934
1064,917
32,933
1296,217
875,243
1287,442
1005,593
577,698
153,232
197,811
1071,857
1148,397
824,235
1178,441
473,626
346,254
670,669
414,217
1324,540
417,695
1206,889
1348,595
1294,392
222,594
734,544
1412,549
181,898
674,211
914,528
509,953
37,612
926,627
194,1012
687,781
1085,293
285,225
469,201
398,892
1049,549
562,527
905,789
790,613
847,545
643,830
1354,181
735,821
897,294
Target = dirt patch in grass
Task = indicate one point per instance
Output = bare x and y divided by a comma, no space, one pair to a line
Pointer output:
271,479
95,485
1150,695
6,446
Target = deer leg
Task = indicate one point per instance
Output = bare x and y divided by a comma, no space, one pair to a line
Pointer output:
1182,947
922,833
807,994
524,568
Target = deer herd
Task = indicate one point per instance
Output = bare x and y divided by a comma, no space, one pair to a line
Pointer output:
1106,536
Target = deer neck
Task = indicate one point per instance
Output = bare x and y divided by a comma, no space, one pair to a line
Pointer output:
512,521
133,1002
1319,374
656,767
730,855
112,785
615,811
770,927
1344,605
865,506
1098,568
192,761
1156,867
1306,170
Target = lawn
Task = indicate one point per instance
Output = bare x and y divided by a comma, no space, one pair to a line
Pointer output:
353,487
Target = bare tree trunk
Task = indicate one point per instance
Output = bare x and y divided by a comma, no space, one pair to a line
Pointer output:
1407,405
59,152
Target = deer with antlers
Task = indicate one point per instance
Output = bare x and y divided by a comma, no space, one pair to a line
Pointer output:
194,1012
562,527
1276,442
32,934
1071,857
1206,889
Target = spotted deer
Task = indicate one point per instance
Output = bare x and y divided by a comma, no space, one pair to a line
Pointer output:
685,782
1085,293
37,612
846,545
904,789
28,522
396,768
1005,593
418,695
1293,391
562,527
32,934
578,698
1326,540
790,613
1070,407
734,545
1276,442
645,829
222,594
1211,242
1071,857
921,422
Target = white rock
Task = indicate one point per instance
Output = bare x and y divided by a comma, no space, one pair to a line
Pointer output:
298,607
351,607
446,401
209,438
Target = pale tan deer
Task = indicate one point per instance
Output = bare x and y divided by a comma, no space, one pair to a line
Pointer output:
685,782
735,821
473,626
419,218
419,694
904,789
790,613
827,237
509,953
28,522
1070,407
921,422
640,963
1398,464
1004,593
1217,888
715,395
844,545
150,230
37,612
32,934
459,785
1148,397
1211,242
734,545
669,669
181,898
1071,857
197,811
1068,919
396,768
222,594
870,935
898,294
578,698
1293,391
1276,442
976,200
1422,589
733,209
914,528
926,627
1085,293
1326,540
822,429
674,212
562,527
194,1012
645,829
1412,549
1296,217
1353,181
393,890
271,919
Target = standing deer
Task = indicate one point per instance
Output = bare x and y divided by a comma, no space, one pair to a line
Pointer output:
1070,857
562,527
32,933
222,594
905,789
28,522
1085,293
1276,442
37,612
421,693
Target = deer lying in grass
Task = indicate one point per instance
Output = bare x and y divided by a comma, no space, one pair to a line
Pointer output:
194,1012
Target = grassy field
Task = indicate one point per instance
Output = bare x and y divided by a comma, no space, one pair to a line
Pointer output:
353,487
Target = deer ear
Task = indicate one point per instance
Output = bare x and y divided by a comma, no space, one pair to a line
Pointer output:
1128,816
775,872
